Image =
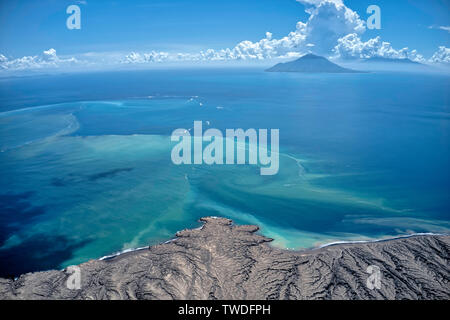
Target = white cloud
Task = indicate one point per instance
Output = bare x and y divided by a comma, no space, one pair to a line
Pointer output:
146,57
329,20
415,56
441,56
351,46
266,48
445,28
332,29
317,2
48,59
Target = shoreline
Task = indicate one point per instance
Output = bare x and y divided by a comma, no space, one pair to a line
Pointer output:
223,260
419,234
301,250
119,254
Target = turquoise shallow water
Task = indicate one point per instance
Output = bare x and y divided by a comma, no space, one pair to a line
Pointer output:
86,167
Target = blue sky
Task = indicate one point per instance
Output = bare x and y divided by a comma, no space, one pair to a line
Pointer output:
27,28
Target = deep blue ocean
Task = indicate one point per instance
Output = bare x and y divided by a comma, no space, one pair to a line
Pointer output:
86,168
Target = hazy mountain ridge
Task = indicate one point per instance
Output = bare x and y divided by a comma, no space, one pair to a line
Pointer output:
310,63
390,60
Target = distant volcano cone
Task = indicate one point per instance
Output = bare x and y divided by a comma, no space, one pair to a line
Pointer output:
310,63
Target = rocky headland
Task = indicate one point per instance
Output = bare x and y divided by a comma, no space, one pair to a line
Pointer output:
221,260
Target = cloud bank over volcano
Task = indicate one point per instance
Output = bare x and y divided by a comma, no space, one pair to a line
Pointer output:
332,30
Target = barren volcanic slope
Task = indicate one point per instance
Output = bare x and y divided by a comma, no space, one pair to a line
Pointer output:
226,261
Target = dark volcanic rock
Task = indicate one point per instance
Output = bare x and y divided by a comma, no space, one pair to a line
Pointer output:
226,261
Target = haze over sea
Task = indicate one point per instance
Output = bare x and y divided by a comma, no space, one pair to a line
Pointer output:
86,168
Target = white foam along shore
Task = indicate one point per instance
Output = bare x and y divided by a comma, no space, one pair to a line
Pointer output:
381,240
331,274
122,252
143,248
319,247
132,250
